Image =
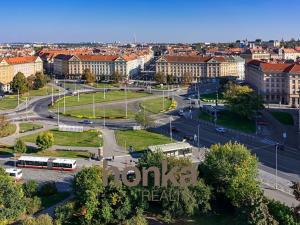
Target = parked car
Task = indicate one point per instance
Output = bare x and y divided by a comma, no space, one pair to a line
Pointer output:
221,129
189,137
180,112
174,129
50,117
87,122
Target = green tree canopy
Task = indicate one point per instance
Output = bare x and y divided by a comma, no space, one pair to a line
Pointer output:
45,140
144,119
243,100
40,80
11,198
116,77
43,219
187,78
160,78
20,83
88,76
20,146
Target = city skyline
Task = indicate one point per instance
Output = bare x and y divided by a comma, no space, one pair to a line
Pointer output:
146,21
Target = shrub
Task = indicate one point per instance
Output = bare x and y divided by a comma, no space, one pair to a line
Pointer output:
20,146
283,214
43,219
48,189
45,140
30,188
32,205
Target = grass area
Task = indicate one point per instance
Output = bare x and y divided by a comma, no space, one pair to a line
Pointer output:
8,130
230,120
10,102
212,97
64,154
105,85
157,105
140,139
113,113
87,98
6,150
283,117
48,201
88,138
46,90
25,127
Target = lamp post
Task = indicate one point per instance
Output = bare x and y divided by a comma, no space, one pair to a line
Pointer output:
171,135
276,150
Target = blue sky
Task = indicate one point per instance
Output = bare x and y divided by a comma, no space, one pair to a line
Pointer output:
148,20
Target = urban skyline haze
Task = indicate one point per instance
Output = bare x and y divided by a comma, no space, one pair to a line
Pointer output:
148,21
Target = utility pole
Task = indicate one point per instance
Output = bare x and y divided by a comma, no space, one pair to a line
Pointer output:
64,102
94,113
276,149
58,114
216,117
104,91
104,117
52,97
126,100
198,137
18,97
26,108
171,136
163,100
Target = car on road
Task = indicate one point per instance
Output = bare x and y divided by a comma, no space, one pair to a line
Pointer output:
174,129
180,112
189,137
87,122
108,158
50,117
221,129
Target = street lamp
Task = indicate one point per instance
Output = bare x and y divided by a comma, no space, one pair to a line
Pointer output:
171,135
276,150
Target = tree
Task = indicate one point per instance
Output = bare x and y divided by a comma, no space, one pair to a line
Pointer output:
45,140
39,81
170,79
11,198
187,78
20,146
116,77
43,219
32,205
30,81
160,78
3,122
20,83
189,199
139,219
88,76
64,214
282,213
231,171
243,100
30,188
144,119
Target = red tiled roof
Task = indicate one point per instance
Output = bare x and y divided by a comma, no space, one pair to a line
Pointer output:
97,57
20,60
294,68
171,58
289,50
276,67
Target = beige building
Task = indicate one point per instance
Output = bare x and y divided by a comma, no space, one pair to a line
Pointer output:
279,83
9,67
199,67
103,66
256,53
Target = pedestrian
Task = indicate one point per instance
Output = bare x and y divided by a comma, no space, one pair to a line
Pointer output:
113,158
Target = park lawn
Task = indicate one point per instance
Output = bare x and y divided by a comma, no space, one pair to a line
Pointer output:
87,98
48,201
46,90
113,113
140,139
25,127
105,85
8,130
10,102
283,117
6,150
64,154
211,97
88,138
230,120
156,105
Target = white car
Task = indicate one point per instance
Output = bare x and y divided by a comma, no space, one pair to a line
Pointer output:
16,173
221,129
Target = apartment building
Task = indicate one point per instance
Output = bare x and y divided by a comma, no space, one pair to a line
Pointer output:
256,53
289,53
199,67
278,82
103,66
9,67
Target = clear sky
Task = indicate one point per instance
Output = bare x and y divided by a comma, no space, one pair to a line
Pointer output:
148,20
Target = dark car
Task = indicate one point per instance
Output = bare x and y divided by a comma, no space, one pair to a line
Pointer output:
50,117
87,122
188,137
174,129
